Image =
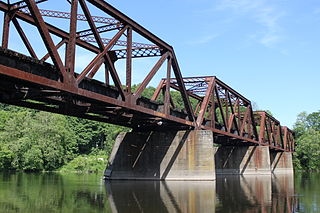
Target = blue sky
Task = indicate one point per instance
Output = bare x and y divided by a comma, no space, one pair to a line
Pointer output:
267,50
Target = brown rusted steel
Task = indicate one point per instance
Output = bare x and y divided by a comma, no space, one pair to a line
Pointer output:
32,15
129,60
46,38
67,15
288,138
220,107
5,29
71,46
272,133
29,82
138,52
151,74
46,56
113,24
227,113
22,4
167,95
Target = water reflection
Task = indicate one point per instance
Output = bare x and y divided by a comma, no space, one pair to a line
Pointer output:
20,192
266,194
170,196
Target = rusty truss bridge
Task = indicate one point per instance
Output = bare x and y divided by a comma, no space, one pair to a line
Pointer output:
46,75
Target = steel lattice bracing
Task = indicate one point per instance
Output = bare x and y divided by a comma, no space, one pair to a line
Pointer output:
229,115
31,81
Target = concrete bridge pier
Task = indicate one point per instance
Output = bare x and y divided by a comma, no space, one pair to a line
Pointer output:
172,155
281,162
242,160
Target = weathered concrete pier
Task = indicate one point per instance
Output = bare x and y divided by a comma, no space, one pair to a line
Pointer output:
172,155
188,155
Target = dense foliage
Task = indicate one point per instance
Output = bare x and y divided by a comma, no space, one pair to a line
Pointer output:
31,140
307,132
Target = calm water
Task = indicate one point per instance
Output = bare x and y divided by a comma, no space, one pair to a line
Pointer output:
20,192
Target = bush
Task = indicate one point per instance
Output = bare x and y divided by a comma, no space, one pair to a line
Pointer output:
86,163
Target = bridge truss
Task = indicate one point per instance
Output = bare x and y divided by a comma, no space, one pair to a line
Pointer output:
53,83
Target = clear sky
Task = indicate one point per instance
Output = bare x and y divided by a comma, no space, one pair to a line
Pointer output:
267,50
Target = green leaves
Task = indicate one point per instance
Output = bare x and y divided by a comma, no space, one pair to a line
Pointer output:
307,130
34,141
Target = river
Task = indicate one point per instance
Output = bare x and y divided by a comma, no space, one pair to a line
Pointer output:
55,192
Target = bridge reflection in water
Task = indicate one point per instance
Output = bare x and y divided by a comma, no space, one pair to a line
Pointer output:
268,194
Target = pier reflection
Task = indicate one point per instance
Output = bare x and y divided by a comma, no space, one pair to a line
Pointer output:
245,194
163,196
265,194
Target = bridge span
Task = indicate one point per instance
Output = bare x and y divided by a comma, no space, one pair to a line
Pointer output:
53,82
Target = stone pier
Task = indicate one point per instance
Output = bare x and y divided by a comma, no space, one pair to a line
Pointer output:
172,155
242,160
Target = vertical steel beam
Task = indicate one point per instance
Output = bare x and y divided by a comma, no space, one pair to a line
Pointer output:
71,50
285,137
213,112
227,108
106,74
6,28
262,127
167,93
253,123
129,61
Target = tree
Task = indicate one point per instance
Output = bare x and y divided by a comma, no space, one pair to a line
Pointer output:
308,150
36,141
307,135
301,124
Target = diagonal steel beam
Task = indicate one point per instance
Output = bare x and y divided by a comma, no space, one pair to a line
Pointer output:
99,56
205,102
24,38
44,32
150,75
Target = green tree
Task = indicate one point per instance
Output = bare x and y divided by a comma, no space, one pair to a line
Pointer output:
307,135
36,141
308,150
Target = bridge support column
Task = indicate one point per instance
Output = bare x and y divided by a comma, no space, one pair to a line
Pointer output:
172,155
281,162
243,160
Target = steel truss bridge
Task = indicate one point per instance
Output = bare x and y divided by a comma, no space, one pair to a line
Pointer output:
52,82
